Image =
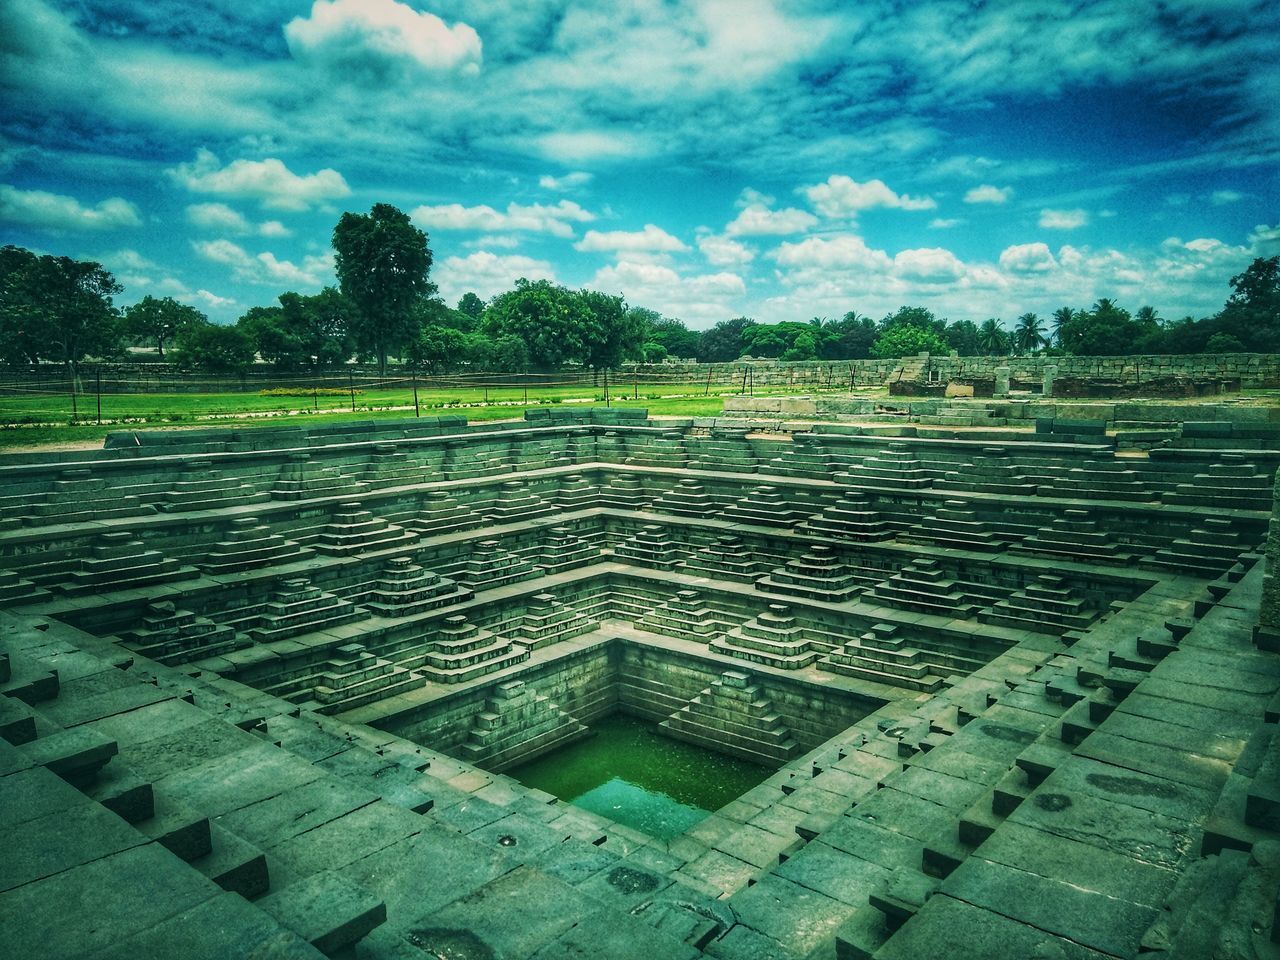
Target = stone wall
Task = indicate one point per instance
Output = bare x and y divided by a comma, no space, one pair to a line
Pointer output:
1251,369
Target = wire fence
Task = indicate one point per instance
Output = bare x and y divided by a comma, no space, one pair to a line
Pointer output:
110,393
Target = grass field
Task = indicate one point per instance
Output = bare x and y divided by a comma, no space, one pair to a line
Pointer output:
37,420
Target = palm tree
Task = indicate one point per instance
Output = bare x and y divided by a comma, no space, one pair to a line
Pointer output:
992,338
1061,317
1028,335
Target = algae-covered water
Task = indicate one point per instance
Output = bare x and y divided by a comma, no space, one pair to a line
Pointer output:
633,775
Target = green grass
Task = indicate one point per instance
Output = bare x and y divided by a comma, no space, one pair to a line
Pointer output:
36,421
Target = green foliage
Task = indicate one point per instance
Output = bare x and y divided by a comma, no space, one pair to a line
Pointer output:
304,332
672,335
906,339
849,338
1223,343
470,305
993,339
964,337
213,348
56,308
1107,330
439,349
614,333
158,321
1028,333
383,262
724,342
917,317
1252,312
550,319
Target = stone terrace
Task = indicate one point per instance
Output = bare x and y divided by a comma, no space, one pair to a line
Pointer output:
1017,691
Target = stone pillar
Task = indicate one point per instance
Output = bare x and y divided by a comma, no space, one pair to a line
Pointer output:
1049,373
1002,382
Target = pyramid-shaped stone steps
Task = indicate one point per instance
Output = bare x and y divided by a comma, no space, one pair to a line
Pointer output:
1208,550
685,616
405,589
1232,484
117,561
297,607
957,525
807,457
491,566
1074,536
518,724
576,492
354,530
852,518
728,558
725,450
764,506
77,496
1046,606
818,575
688,498
14,590
561,549
469,461
439,512
650,547
354,677
389,467
921,585
894,468
774,637
515,502
664,450
302,478
623,492
993,472
1098,480
172,636
734,716
250,543
201,487
546,620
455,651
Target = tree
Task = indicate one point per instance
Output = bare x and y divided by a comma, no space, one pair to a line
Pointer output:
1223,343
1028,334
963,337
271,338
439,349
322,326
672,335
1252,312
914,317
1104,330
213,348
849,338
612,333
1061,316
724,341
158,321
905,340
56,308
550,319
470,305
383,262
803,347
993,339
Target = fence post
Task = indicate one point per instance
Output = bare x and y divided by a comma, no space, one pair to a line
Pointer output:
416,411
75,414
707,391
606,386
351,385
99,391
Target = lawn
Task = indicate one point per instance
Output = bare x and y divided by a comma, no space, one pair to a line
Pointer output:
30,421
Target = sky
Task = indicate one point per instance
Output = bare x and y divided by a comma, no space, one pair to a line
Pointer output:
707,159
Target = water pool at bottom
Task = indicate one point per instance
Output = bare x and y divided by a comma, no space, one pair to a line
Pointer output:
630,773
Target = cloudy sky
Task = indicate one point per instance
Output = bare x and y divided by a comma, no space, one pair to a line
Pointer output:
706,158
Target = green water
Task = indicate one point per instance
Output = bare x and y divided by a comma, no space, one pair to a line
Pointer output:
633,775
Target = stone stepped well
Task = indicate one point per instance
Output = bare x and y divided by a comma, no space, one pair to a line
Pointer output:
576,492
685,616
455,651
301,478
818,575
516,725
514,502
15,590
687,498
852,518
118,560
773,637
651,547
406,588
1047,605
729,558
561,549
354,530
440,513
201,487
733,716
955,524
624,493
490,566
894,468
764,506
546,621
389,467
921,585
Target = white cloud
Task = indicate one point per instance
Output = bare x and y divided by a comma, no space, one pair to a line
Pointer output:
380,41
125,260
723,252
842,196
703,298
944,223
837,253
928,265
269,182
212,300
1027,258
577,146
487,274
532,218
568,182
986,193
1063,219
54,211
756,220
1223,197
220,218
652,239
265,268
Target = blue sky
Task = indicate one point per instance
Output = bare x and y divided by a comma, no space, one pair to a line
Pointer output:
706,158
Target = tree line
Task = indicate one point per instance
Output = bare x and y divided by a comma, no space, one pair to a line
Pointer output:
385,308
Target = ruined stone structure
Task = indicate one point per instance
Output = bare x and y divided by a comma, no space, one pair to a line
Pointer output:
260,688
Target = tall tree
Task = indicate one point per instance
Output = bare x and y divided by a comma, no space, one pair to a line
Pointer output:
472,306
963,337
551,320
613,333
724,341
158,320
1061,316
907,339
1028,333
1252,312
993,339
213,348
383,264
